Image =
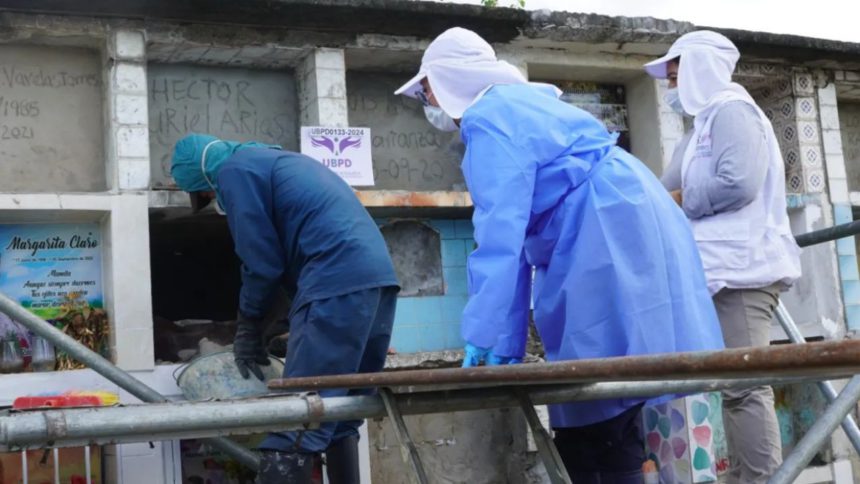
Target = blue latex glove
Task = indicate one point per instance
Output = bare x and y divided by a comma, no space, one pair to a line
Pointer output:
493,360
474,355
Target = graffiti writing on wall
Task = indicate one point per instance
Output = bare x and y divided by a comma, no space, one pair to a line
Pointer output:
229,103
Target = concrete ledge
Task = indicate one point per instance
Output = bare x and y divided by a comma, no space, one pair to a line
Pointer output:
394,17
52,201
426,360
397,198
368,198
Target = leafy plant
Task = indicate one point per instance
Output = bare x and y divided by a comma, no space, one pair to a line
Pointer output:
495,3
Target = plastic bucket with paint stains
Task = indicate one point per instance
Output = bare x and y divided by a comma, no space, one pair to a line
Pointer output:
216,377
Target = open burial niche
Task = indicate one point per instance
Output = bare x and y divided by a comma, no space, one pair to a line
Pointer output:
196,281
195,289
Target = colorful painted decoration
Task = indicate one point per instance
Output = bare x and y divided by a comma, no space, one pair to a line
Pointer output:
680,438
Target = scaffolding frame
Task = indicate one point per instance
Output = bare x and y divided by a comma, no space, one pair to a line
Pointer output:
509,386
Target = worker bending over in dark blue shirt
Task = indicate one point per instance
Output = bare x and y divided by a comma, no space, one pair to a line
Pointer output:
296,224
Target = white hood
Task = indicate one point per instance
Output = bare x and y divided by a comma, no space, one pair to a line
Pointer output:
460,65
705,72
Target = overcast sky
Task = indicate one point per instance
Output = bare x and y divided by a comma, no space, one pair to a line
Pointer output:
826,19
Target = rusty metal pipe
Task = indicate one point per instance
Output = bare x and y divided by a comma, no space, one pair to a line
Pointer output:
832,359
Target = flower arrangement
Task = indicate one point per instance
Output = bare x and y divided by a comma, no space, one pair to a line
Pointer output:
88,325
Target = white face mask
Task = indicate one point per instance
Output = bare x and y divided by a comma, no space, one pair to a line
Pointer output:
439,119
212,206
218,209
673,99
217,206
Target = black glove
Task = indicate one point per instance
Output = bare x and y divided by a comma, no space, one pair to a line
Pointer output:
248,348
275,338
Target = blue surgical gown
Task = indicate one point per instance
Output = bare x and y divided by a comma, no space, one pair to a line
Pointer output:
617,271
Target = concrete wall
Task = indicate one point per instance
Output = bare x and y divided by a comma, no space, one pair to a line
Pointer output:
644,107
481,447
322,87
408,153
849,124
433,322
50,120
419,272
89,136
229,103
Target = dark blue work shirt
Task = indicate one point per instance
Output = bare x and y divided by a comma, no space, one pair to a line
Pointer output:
295,222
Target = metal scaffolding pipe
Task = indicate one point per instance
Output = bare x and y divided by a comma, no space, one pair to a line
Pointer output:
813,359
818,361
826,388
817,434
108,370
829,234
167,421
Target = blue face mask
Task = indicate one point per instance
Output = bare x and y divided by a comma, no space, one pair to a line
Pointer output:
439,119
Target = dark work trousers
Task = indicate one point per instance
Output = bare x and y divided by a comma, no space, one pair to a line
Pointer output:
336,336
607,452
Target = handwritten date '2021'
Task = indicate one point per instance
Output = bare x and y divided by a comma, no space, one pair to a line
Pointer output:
16,132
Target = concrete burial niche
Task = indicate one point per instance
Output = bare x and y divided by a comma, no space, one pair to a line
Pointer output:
230,103
51,120
408,152
849,124
416,251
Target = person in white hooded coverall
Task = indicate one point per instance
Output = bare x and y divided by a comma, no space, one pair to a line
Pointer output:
617,271
727,175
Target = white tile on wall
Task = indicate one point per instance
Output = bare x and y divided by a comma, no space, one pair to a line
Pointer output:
129,78
131,109
129,44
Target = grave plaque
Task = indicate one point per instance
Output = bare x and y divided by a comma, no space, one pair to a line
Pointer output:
51,120
231,103
408,152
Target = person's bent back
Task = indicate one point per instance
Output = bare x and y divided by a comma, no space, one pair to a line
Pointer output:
297,225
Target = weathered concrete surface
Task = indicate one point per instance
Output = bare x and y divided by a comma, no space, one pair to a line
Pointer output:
567,27
51,136
593,28
417,261
646,135
326,22
797,408
428,19
408,152
814,300
486,446
396,17
795,49
424,360
52,30
480,447
849,125
232,104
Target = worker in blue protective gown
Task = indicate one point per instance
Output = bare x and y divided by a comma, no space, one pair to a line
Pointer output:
617,271
297,225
